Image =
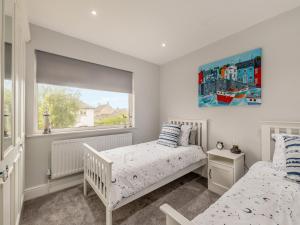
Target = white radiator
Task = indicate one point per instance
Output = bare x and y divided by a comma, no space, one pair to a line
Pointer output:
67,155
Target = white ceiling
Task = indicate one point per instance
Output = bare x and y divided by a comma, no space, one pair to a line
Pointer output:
138,27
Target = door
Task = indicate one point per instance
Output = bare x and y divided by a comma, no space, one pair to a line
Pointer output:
220,177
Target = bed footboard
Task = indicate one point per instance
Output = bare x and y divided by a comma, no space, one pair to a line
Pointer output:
98,173
173,217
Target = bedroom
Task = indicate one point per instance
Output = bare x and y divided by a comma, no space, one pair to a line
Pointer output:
148,57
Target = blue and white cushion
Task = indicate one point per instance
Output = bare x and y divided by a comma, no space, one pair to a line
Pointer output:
292,152
169,135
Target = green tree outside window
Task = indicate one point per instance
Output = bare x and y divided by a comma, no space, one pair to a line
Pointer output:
62,105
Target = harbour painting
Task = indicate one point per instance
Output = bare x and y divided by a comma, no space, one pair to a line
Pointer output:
233,81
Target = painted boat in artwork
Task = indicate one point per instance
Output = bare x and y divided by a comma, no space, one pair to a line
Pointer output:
254,97
241,93
253,101
224,97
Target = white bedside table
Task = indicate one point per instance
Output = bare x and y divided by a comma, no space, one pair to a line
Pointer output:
224,169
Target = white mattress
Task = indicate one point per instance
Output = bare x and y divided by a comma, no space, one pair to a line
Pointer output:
263,196
137,167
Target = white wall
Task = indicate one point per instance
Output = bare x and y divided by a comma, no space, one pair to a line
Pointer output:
146,89
280,40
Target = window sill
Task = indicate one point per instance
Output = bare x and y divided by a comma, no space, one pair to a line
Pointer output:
96,130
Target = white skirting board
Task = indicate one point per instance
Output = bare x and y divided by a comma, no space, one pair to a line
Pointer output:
52,186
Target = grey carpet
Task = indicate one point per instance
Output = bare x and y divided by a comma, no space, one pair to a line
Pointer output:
188,194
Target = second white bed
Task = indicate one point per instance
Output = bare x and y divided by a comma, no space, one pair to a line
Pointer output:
262,196
139,166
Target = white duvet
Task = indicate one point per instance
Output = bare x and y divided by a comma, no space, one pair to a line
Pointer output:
262,197
137,167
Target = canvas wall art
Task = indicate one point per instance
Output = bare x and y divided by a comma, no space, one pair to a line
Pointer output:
233,81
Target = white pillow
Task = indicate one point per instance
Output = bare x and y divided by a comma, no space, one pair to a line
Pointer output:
184,135
279,159
193,136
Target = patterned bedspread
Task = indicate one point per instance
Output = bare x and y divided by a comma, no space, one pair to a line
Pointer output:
137,167
263,196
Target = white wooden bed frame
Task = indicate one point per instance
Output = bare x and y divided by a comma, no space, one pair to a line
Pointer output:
267,149
98,170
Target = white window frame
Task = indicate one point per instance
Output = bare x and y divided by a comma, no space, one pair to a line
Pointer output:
131,110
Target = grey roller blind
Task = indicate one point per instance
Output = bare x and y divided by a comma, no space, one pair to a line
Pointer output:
59,70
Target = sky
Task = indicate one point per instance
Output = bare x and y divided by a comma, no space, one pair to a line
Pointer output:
95,97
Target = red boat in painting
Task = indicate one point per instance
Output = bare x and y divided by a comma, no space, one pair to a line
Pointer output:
224,97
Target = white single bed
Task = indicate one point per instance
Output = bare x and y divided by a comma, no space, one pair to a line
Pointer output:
263,196
121,175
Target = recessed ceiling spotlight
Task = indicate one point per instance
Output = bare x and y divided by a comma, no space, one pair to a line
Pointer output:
163,45
93,12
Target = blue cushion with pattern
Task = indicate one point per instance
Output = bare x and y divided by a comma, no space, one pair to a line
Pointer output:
169,135
292,153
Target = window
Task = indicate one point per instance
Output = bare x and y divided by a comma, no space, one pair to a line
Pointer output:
80,94
71,107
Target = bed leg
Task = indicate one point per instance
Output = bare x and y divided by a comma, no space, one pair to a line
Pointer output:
84,187
171,221
173,217
108,216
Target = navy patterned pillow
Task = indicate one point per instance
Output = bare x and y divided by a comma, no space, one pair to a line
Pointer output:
292,153
169,135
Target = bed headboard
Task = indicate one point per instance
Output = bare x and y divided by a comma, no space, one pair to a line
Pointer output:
202,130
268,128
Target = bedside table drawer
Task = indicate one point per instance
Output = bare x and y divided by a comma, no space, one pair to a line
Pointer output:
220,177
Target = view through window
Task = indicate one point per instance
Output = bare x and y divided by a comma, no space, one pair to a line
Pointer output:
71,107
